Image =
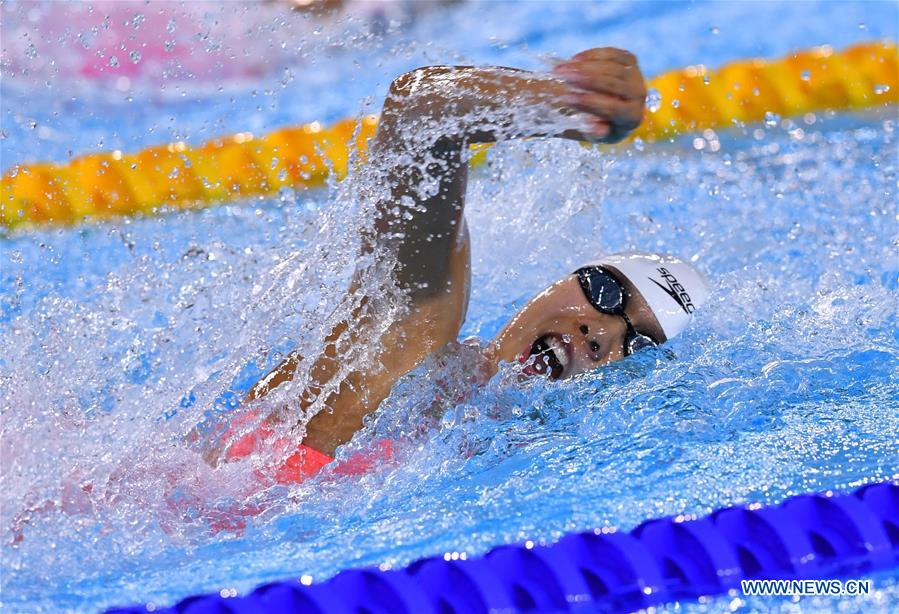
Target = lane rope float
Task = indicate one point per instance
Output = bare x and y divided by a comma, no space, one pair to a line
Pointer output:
812,536
243,165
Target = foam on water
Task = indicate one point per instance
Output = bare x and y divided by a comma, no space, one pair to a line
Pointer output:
118,339
785,383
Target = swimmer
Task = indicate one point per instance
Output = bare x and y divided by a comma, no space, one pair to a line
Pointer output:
602,312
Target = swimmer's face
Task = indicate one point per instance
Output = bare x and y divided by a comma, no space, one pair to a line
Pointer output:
560,334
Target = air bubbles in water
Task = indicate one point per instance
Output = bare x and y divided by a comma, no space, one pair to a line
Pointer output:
771,119
653,100
167,318
134,56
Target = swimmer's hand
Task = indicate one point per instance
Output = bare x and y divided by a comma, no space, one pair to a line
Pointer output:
468,104
607,85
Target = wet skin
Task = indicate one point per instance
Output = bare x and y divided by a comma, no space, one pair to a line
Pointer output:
430,240
579,337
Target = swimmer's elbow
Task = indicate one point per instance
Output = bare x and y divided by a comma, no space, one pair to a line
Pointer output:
417,82
419,95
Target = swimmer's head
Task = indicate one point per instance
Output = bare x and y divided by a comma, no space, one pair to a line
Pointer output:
604,311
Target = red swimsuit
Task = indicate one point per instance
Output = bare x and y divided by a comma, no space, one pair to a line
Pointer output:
304,461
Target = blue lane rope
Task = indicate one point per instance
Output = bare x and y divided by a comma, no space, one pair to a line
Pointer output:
805,537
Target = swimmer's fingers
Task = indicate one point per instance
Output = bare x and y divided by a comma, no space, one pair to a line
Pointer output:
602,105
621,115
600,68
610,54
604,84
604,76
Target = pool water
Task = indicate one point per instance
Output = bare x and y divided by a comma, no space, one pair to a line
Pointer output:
117,338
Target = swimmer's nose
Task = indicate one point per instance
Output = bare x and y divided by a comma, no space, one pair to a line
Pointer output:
598,337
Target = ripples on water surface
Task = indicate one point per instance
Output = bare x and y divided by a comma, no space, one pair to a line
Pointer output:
116,339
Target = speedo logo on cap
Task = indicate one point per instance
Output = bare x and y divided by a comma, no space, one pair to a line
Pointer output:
674,289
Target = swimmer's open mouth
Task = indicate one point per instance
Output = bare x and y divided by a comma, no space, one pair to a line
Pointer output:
549,355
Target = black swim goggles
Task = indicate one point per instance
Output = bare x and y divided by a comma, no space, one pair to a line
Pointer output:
607,295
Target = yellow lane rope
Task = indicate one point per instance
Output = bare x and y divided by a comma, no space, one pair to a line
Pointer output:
107,184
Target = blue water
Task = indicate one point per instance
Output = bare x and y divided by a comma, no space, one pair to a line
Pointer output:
115,339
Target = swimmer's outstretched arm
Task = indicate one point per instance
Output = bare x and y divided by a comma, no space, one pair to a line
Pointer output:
429,118
432,114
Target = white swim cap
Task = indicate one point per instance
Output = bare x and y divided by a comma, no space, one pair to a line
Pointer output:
673,288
